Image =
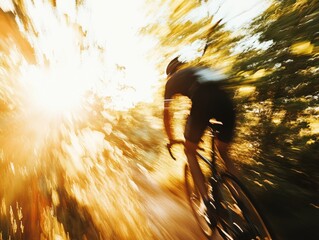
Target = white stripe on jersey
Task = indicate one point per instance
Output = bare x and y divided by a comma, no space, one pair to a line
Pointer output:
207,75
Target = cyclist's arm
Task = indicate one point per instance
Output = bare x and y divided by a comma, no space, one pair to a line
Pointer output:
168,119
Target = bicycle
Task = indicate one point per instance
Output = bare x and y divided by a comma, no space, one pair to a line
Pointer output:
236,216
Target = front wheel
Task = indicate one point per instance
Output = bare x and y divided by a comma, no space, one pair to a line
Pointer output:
238,215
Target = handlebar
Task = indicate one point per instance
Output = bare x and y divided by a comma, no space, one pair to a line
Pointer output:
176,142
171,144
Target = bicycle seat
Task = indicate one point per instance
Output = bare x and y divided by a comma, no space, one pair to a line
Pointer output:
213,123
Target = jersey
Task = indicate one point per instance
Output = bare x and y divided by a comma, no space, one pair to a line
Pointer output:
186,81
203,86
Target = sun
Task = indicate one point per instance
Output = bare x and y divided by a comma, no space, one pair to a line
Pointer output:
56,96
89,47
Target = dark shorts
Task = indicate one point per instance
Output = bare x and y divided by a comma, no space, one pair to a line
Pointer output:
209,102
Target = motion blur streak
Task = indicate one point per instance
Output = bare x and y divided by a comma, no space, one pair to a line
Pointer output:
70,164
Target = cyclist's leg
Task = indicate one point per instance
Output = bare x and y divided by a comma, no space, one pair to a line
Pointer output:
198,176
224,112
194,129
200,183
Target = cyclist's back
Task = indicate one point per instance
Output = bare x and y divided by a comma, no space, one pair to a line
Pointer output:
186,80
204,87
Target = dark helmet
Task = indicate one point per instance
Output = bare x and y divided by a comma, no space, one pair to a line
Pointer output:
173,66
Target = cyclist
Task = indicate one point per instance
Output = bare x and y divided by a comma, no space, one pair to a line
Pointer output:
203,86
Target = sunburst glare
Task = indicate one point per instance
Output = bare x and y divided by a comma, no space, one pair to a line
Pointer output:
79,49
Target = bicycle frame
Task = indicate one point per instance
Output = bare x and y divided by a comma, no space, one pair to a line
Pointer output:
215,175
223,182
211,163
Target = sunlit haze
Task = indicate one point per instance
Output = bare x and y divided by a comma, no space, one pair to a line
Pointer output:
80,49
96,47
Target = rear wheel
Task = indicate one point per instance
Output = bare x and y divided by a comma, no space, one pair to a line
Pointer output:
238,215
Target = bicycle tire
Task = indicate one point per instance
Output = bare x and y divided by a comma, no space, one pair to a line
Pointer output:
197,204
238,215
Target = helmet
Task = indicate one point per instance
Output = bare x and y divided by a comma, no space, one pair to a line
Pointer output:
173,66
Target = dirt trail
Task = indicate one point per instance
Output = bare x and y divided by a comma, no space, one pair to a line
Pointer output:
169,213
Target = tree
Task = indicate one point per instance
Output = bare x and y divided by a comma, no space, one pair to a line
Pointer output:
285,103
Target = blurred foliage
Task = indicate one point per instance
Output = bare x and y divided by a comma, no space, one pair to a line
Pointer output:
176,30
287,93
